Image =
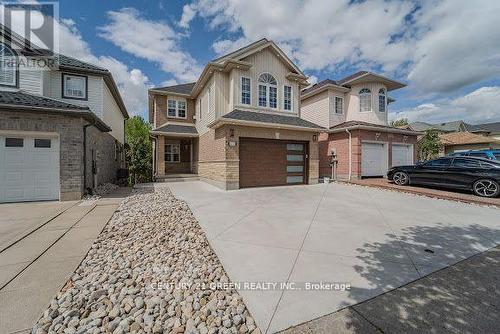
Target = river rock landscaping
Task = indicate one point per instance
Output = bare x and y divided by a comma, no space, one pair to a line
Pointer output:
151,270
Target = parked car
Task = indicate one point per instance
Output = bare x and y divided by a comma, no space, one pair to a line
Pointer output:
487,154
481,176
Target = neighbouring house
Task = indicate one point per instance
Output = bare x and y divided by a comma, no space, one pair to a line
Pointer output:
239,124
459,136
489,129
445,127
61,125
465,141
354,110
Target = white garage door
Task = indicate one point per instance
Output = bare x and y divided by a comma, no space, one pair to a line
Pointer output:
402,154
29,168
373,159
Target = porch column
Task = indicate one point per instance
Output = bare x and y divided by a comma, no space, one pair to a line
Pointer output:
191,154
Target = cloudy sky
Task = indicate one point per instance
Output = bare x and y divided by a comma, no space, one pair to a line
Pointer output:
448,52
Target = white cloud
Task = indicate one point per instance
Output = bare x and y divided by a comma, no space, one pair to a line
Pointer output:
132,83
152,40
188,13
479,106
439,46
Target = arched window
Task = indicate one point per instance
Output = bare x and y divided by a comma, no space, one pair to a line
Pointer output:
381,100
365,100
268,91
8,66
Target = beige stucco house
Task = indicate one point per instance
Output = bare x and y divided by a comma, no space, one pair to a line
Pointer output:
358,137
239,124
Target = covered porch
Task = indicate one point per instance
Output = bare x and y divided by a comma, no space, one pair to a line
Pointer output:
174,150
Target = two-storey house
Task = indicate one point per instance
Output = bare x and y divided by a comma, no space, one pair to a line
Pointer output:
61,124
359,141
239,124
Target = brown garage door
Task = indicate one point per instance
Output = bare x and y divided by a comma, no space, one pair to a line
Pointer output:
265,162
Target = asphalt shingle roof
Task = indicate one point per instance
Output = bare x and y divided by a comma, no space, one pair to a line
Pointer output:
319,85
445,127
177,128
260,117
179,89
352,76
460,138
489,127
20,101
24,99
75,63
358,123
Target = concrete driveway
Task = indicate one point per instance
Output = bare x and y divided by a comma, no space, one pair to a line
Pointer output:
42,243
19,219
375,240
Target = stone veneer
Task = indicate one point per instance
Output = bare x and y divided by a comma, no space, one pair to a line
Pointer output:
70,132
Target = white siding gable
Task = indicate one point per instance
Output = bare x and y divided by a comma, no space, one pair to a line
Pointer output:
95,92
264,61
113,117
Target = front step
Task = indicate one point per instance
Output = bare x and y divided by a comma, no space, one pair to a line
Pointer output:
177,178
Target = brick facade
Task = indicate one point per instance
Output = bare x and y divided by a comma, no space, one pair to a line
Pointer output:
161,110
70,132
340,142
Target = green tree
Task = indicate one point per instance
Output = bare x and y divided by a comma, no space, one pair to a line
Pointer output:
429,146
399,122
138,148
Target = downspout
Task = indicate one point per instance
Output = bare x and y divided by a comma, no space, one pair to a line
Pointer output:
350,153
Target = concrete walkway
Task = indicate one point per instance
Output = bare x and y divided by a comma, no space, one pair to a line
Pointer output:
38,264
462,298
375,240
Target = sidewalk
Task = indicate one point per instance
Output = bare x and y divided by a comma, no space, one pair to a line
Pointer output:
35,268
462,298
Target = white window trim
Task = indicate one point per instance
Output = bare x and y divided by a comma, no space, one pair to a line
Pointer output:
177,108
209,91
268,92
172,154
385,101
335,105
85,91
241,91
371,102
291,98
15,75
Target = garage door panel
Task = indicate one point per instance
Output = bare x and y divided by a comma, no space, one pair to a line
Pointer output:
373,159
271,162
402,154
29,173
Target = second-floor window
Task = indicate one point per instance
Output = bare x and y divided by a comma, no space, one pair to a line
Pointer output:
287,98
381,100
268,91
338,105
365,100
176,109
74,86
245,90
8,66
